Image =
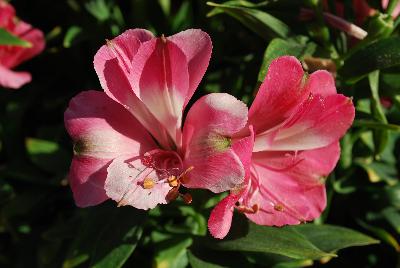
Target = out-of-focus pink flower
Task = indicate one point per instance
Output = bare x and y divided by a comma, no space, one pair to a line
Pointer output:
296,121
128,142
12,56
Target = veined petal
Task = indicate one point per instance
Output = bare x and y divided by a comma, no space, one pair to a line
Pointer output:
11,79
321,83
197,47
161,81
318,122
126,184
281,92
220,219
290,194
208,129
113,65
34,36
101,130
86,178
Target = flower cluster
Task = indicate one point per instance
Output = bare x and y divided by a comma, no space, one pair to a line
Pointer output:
133,145
11,55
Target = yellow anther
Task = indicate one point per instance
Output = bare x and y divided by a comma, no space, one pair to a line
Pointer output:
148,183
173,181
278,207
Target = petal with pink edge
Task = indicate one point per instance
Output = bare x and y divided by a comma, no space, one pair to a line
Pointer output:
11,79
281,92
101,130
86,178
321,82
34,36
220,219
289,189
197,47
208,129
161,81
113,65
318,122
126,184
243,147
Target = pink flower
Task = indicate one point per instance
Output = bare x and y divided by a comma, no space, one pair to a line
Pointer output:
298,121
128,141
12,56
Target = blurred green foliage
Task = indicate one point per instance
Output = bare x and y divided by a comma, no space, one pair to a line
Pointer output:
40,226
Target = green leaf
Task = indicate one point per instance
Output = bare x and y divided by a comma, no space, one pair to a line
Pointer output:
375,125
196,262
283,241
298,47
392,215
331,238
379,55
378,171
71,36
48,155
7,38
258,21
172,252
382,234
108,235
380,136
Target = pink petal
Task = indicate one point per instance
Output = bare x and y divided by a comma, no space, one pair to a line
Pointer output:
125,180
7,12
220,219
101,130
197,47
161,81
32,35
318,122
11,79
244,148
86,178
293,195
208,129
113,65
321,83
281,92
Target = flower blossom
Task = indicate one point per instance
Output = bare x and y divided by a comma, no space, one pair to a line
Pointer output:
297,121
130,143
12,56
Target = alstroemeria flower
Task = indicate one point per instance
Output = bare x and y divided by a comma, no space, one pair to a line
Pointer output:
297,121
130,142
12,56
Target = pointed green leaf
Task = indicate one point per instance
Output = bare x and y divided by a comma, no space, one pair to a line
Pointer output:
7,38
381,54
258,21
331,238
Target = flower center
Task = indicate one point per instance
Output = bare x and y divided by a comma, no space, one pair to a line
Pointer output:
168,167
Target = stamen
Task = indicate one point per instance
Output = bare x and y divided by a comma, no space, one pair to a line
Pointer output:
252,210
183,178
187,198
172,194
148,183
173,181
278,207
